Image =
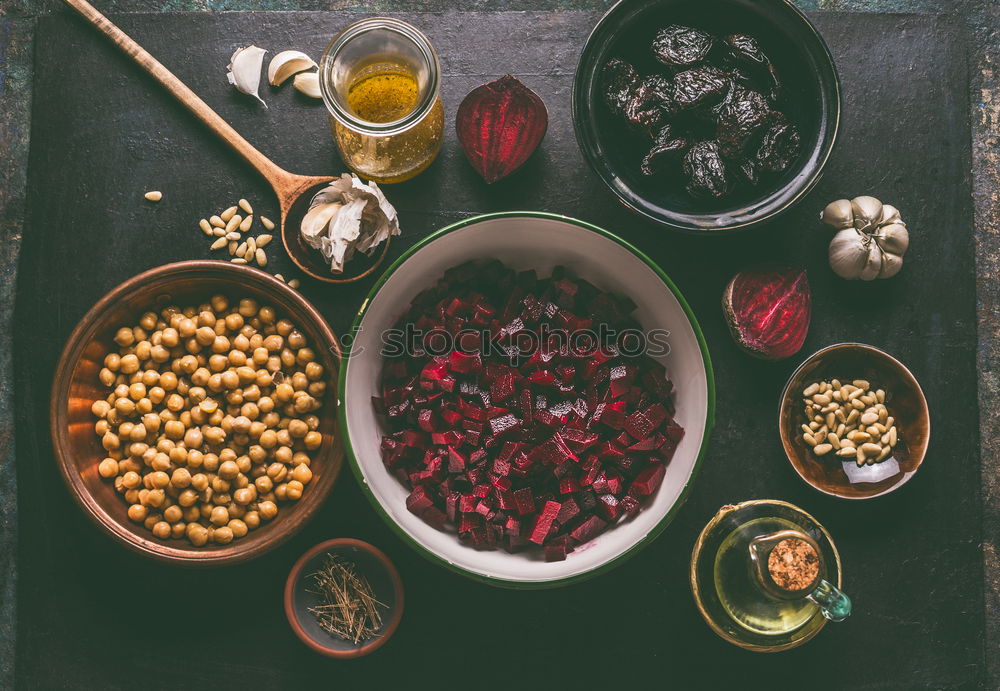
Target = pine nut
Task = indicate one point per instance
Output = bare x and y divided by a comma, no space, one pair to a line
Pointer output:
821,399
205,226
846,452
836,383
892,435
228,214
217,222
862,384
822,449
219,232
153,196
233,223
267,223
808,439
880,395
245,205
810,390
833,440
261,257
871,449
233,236
219,244
241,249
238,260
885,453
246,223
262,240
294,283
232,247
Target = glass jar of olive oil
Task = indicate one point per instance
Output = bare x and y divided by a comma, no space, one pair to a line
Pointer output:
380,80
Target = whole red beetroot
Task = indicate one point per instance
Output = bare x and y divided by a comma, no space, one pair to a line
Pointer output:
500,125
768,310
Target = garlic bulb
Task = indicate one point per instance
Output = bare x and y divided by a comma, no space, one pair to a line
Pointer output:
244,70
871,238
288,63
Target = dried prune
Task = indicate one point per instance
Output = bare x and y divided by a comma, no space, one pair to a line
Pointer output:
779,147
747,51
740,118
660,90
642,111
667,146
699,87
706,171
681,46
618,81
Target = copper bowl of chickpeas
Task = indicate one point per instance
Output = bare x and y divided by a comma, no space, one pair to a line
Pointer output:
193,412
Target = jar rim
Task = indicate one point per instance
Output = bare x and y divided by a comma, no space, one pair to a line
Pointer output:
414,36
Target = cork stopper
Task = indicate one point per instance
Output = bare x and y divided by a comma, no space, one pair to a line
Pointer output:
793,565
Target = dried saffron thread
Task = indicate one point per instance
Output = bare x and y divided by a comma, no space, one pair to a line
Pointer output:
348,608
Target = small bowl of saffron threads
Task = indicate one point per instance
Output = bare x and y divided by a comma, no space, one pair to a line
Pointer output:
344,598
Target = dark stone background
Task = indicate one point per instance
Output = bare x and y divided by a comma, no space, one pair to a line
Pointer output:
16,32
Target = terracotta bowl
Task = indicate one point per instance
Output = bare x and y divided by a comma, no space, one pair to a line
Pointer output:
78,450
371,563
905,400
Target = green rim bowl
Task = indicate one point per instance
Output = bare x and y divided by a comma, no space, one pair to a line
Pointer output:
812,101
540,241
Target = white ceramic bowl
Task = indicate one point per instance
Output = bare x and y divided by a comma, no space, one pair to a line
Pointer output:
529,240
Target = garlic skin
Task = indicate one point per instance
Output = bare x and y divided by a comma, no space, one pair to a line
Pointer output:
348,216
308,84
286,64
871,238
244,70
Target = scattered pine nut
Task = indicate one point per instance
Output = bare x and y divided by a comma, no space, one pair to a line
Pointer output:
241,249
233,223
205,226
217,222
219,244
245,205
261,257
280,277
238,260
262,240
245,225
220,232
228,214
153,196
294,283
267,223
232,247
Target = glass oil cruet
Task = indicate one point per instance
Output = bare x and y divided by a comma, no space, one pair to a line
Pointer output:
766,576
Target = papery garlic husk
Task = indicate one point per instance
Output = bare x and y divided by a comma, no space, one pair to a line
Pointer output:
867,212
286,64
891,264
893,238
848,253
873,263
890,215
347,216
244,70
838,214
308,84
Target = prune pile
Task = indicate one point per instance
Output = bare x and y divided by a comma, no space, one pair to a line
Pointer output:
713,113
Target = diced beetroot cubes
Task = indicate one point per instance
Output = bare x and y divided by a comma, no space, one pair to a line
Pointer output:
647,481
543,523
589,529
483,435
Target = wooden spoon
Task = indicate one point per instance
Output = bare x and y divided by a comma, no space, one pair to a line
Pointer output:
288,187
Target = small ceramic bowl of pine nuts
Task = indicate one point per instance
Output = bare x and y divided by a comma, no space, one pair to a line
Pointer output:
854,422
192,413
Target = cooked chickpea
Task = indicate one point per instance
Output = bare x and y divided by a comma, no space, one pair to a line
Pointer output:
213,405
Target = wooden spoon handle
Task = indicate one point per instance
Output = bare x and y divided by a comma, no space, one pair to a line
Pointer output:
273,173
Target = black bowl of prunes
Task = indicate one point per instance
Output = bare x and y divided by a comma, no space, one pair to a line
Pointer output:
707,115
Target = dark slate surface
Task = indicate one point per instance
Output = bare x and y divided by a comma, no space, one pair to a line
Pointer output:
103,134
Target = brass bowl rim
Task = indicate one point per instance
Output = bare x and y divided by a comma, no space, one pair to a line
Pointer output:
59,400
724,511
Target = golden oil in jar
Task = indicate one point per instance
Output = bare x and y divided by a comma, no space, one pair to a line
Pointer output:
380,81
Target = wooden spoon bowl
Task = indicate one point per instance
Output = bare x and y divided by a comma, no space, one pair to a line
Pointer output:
76,386
293,191
905,401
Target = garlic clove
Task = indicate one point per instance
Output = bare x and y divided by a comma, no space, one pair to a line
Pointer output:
848,253
308,83
288,63
891,264
838,214
244,70
316,220
893,238
873,263
867,212
890,215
